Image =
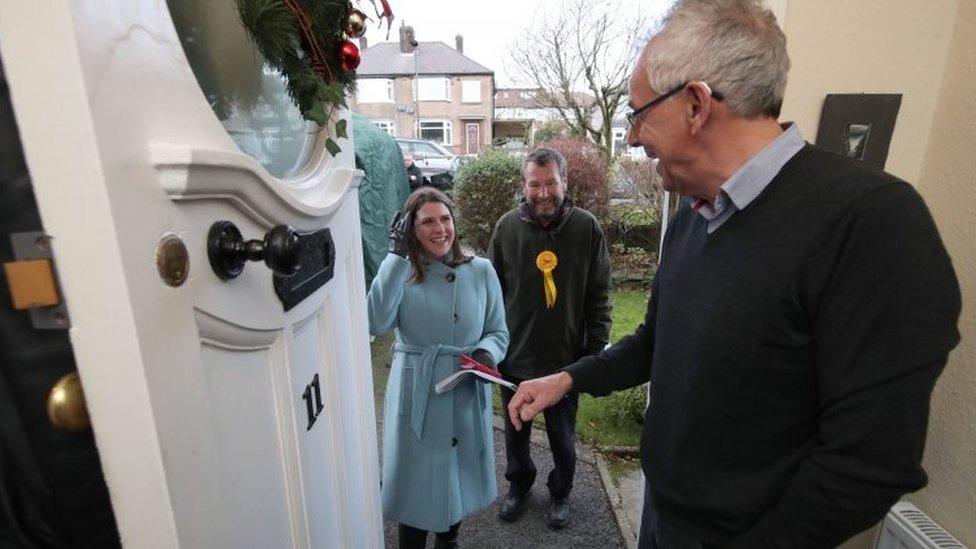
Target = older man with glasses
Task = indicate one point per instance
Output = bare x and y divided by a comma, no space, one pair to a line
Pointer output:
802,312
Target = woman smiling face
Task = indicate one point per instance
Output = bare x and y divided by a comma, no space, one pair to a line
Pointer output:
434,228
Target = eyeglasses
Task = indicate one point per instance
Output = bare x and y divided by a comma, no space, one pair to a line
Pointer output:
632,115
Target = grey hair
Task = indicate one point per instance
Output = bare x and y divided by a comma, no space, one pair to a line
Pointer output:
543,157
733,45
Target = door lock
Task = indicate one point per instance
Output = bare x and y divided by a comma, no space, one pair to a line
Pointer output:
228,251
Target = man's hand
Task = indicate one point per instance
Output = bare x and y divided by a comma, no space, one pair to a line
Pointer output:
535,395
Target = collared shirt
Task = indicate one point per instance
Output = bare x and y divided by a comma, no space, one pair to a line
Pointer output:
750,179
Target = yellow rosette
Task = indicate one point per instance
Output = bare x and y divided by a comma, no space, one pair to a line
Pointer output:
546,261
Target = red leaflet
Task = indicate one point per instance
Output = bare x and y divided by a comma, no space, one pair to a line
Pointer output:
469,363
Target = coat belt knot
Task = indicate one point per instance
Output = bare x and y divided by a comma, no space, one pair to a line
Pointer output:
422,382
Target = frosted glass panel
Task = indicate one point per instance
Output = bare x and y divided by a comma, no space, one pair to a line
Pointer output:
248,97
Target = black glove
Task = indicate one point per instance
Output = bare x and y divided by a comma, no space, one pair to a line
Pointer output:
400,229
483,357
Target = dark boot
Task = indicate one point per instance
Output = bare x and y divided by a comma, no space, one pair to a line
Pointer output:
447,540
513,505
558,515
412,538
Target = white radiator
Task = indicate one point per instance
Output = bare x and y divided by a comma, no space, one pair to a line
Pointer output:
906,527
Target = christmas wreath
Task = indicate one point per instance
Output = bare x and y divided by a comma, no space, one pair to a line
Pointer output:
307,41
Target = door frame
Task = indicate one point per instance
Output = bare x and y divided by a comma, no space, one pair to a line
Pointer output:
70,187
59,99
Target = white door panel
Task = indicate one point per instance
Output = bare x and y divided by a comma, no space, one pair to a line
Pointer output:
199,393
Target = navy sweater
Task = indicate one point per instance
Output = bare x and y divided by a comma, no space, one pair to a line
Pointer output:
791,355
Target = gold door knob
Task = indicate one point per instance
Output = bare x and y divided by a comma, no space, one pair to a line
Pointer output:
66,405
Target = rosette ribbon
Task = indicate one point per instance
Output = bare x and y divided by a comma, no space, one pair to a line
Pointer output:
546,261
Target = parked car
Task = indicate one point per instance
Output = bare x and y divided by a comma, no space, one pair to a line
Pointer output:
432,158
459,160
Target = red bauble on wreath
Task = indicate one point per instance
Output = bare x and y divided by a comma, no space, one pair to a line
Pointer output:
348,56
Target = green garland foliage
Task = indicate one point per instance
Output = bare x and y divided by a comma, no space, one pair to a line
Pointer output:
315,81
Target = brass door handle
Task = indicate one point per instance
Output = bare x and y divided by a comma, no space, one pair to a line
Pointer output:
66,407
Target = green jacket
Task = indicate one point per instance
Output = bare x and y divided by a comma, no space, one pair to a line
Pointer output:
545,339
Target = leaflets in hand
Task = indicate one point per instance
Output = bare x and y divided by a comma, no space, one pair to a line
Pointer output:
471,367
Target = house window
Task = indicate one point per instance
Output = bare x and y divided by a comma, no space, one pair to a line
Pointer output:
374,90
620,145
388,126
434,89
438,131
470,91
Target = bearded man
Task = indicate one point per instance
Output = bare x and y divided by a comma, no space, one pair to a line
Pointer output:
554,268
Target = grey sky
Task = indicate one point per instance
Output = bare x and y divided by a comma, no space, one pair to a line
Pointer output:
488,26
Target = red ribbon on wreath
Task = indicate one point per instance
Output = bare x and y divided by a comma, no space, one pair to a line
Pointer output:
318,61
386,13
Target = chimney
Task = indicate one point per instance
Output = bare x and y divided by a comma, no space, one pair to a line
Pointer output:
362,43
459,43
407,41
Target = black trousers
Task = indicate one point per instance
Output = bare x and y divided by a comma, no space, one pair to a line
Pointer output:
520,471
415,538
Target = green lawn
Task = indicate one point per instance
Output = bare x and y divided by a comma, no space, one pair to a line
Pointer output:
598,420
628,311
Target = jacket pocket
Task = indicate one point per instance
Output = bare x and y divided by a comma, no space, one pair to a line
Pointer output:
406,390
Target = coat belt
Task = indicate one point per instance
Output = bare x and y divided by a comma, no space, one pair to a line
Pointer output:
422,378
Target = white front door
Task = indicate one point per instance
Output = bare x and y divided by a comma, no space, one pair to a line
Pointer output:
224,417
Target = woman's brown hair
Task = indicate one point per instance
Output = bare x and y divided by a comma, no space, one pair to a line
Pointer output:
416,254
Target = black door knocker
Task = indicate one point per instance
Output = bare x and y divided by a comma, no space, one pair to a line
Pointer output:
302,263
229,252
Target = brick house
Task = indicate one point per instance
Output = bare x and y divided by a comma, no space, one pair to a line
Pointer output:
454,103
520,112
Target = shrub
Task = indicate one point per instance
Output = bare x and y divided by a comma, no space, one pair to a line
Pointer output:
587,181
484,189
641,176
551,129
633,225
627,405
636,220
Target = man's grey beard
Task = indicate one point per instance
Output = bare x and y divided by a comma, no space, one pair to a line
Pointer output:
552,210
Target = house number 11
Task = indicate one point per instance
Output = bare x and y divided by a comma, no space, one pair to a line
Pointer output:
312,389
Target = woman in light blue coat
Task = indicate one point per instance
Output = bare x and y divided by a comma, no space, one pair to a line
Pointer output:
438,455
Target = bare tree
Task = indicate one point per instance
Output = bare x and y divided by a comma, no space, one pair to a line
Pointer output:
586,46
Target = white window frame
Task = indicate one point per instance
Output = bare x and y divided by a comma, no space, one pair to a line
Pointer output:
389,126
445,129
618,134
471,91
376,94
429,88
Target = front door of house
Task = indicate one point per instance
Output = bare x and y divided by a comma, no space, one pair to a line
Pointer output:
472,138
232,404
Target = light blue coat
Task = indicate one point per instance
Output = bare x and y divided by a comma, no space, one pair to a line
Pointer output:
438,455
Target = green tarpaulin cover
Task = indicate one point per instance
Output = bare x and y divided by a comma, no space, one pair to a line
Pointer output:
382,191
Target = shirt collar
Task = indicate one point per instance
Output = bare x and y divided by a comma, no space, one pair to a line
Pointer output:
756,174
